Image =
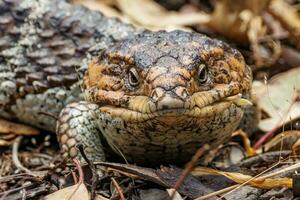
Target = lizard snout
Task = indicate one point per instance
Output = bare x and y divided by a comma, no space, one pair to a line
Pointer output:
170,99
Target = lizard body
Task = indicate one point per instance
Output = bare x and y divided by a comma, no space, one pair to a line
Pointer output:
154,97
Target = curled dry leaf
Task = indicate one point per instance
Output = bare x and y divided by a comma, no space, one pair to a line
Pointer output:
243,21
9,131
277,99
259,182
246,141
75,192
282,141
7,127
233,19
7,139
289,18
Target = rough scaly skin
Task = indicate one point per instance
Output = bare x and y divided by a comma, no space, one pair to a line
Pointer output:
44,50
177,103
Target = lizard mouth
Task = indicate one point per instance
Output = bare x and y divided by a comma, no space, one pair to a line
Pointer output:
140,109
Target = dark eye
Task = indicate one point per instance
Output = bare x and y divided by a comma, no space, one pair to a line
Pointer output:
202,74
133,77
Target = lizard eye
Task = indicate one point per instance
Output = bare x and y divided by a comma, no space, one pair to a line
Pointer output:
133,77
202,74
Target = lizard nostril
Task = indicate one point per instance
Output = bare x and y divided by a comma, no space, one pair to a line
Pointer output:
154,95
184,93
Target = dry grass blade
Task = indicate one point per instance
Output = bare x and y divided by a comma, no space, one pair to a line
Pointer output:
295,147
219,192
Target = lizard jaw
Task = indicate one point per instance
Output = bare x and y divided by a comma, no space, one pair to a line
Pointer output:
139,112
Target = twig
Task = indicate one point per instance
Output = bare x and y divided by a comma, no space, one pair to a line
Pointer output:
189,167
74,177
246,141
81,176
26,185
93,169
118,188
18,176
15,158
222,191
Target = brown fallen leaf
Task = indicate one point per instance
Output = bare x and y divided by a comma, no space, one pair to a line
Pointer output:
277,99
99,197
103,6
166,177
7,127
176,194
9,131
75,192
7,139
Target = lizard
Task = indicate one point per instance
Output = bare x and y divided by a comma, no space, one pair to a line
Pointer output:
153,97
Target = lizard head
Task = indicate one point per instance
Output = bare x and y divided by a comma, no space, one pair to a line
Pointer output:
163,95
167,76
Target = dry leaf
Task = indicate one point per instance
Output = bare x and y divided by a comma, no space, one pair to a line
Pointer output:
150,14
99,197
233,19
277,99
9,131
289,18
165,177
287,138
104,7
176,196
7,127
75,192
259,182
